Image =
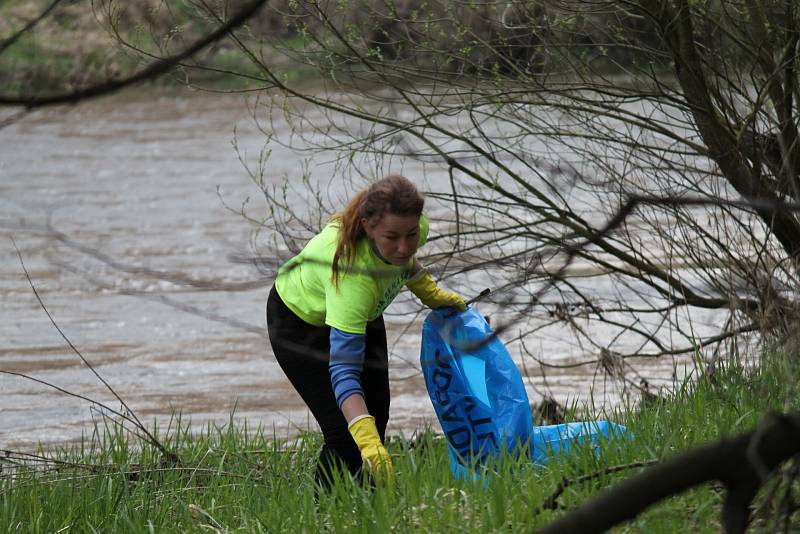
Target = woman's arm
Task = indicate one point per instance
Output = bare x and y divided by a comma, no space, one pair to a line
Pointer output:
346,365
354,406
416,268
422,284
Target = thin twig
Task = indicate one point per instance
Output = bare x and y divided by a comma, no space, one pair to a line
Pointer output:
551,502
132,415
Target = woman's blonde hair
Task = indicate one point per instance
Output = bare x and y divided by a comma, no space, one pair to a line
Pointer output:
394,194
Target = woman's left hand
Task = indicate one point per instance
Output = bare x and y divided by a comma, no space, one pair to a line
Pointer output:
425,288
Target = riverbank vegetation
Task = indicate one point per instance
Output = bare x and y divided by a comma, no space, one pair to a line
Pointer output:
233,478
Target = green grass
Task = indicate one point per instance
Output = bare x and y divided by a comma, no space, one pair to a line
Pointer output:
234,478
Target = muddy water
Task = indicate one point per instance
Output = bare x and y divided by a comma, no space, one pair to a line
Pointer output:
101,197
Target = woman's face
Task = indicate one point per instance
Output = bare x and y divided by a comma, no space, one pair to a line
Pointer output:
395,236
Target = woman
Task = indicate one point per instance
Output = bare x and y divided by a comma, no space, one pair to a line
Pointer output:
324,316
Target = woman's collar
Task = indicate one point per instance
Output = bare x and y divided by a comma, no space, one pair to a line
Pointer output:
375,251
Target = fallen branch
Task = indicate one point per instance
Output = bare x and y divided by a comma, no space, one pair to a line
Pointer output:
741,463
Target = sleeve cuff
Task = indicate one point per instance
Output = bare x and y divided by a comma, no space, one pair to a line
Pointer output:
357,418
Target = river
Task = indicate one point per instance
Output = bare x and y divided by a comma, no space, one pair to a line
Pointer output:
112,204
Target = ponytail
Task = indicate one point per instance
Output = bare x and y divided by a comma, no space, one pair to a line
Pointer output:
394,194
350,231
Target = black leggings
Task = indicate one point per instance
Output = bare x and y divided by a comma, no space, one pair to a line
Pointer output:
302,351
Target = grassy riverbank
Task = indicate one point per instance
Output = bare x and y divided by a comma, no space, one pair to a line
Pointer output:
77,45
238,479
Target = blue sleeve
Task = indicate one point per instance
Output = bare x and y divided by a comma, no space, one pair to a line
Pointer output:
346,363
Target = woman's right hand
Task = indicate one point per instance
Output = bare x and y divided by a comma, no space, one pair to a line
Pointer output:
374,455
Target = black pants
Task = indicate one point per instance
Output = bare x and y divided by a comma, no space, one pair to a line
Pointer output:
303,351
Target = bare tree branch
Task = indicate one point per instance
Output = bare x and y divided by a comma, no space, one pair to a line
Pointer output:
28,26
150,72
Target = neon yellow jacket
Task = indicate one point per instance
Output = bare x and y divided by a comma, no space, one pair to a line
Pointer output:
364,291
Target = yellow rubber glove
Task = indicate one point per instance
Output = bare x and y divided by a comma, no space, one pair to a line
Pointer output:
431,295
375,456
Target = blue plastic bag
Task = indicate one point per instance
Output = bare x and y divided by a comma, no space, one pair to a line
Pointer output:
481,402
554,441
476,390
